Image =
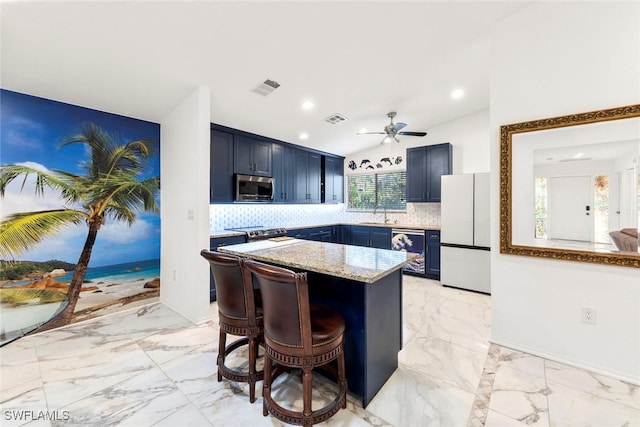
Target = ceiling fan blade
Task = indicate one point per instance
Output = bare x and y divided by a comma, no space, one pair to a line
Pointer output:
399,125
371,133
412,133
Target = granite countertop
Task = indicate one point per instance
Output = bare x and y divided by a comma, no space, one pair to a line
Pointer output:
349,262
229,233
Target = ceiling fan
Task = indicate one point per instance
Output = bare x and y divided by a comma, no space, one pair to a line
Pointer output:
392,130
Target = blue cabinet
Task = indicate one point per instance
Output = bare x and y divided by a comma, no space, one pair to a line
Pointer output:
425,167
332,179
283,173
251,156
307,176
221,167
373,237
433,254
214,244
318,234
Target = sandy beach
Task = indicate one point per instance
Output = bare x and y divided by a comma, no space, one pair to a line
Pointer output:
103,296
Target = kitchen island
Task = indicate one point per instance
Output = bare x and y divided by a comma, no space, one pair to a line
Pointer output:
364,284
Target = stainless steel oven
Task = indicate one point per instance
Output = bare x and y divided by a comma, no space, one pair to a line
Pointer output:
250,188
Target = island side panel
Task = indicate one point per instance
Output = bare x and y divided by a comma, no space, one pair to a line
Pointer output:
373,335
348,297
383,331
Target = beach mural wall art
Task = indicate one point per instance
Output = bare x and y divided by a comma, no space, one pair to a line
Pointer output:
79,213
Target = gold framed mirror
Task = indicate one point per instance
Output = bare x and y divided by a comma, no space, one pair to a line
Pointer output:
547,212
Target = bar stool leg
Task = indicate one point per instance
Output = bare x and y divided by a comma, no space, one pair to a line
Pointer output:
266,385
252,368
222,350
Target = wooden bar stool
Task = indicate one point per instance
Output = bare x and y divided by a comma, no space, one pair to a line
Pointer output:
297,334
240,313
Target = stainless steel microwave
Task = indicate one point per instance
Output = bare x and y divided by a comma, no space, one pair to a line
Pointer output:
250,188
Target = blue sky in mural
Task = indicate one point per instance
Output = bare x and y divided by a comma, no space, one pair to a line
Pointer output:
31,130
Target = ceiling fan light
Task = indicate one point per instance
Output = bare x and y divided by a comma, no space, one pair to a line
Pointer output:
386,140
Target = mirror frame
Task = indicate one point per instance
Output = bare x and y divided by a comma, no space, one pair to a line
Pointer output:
506,166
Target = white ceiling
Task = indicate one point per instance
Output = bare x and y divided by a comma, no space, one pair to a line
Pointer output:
359,59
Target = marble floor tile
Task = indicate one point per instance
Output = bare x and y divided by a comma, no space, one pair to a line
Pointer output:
75,377
412,398
496,419
596,384
473,335
515,359
170,344
569,406
19,403
141,400
188,416
457,365
520,396
465,311
149,366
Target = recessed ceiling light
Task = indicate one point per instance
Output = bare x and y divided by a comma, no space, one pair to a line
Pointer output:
303,136
307,105
578,155
363,130
457,94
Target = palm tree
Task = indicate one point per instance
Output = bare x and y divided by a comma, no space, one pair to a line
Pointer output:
108,188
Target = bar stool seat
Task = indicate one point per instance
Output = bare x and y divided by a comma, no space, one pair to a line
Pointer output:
240,314
301,335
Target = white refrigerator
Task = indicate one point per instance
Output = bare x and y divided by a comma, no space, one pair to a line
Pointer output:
465,238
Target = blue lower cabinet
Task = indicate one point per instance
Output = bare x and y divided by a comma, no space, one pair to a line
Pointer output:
433,254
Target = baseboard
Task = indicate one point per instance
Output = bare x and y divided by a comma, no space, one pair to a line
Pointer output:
561,359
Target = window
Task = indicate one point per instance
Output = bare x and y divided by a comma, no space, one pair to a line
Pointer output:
385,189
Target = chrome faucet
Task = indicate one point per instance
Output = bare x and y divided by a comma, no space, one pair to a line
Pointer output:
383,209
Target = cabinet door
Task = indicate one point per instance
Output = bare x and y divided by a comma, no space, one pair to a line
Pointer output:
338,181
416,174
380,237
282,163
301,160
221,167
438,164
242,156
359,235
314,177
333,180
262,158
433,254
251,156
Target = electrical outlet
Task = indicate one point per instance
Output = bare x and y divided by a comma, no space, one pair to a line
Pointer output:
589,315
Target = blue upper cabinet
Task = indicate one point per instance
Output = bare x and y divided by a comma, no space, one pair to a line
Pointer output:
307,177
283,173
333,179
252,156
425,167
221,164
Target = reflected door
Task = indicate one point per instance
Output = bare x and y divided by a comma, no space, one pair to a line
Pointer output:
570,216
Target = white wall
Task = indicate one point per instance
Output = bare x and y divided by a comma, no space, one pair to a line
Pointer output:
184,209
555,59
468,135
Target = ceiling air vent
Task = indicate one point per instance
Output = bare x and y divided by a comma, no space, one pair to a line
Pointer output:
266,87
335,119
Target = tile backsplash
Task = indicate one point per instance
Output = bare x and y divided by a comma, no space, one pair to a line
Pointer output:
275,215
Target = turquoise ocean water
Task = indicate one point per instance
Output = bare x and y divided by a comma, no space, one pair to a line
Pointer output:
130,271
